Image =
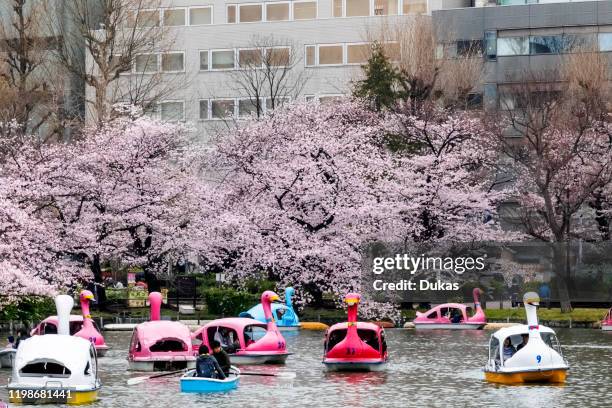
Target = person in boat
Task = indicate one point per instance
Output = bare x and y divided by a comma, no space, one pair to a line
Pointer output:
207,366
221,356
525,337
11,342
456,316
508,349
22,334
228,339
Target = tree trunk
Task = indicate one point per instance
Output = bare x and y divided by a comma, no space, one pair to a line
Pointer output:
98,285
561,273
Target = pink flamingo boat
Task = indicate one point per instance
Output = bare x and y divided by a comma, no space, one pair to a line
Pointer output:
80,326
454,316
606,324
353,345
159,345
247,341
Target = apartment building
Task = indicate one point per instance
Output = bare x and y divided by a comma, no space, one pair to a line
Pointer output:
212,39
520,36
49,11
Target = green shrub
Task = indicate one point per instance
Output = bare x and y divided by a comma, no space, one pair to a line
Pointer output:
224,301
29,309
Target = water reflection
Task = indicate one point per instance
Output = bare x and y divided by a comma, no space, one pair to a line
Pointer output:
426,369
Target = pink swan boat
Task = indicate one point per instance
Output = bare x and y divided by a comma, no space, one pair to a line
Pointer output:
353,345
81,326
606,324
247,341
453,316
160,345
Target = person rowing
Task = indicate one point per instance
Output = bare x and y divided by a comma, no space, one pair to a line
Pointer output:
207,366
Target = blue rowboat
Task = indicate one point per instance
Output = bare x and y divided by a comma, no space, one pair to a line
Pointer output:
191,383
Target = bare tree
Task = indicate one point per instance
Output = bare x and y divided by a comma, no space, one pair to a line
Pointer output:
560,156
29,96
269,68
107,38
429,69
589,92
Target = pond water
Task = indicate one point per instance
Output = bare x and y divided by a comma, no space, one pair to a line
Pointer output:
426,369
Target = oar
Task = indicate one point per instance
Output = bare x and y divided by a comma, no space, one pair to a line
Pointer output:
138,380
285,374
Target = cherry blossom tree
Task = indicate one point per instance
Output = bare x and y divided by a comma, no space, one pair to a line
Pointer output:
308,188
29,261
303,191
128,190
453,161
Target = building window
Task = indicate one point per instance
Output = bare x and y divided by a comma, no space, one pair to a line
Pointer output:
546,44
148,18
248,108
204,109
277,11
304,10
222,59
385,7
469,48
200,15
490,45
174,17
172,110
357,8
250,58
231,14
311,52
222,108
474,101
414,7
173,62
358,53
605,41
146,63
330,54
250,13
337,5
203,60
330,99
559,44
393,51
507,46
273,103
278,56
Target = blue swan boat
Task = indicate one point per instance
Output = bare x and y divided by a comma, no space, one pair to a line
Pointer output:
283,314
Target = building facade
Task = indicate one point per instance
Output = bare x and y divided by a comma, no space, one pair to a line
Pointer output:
211,39
519,37
45,14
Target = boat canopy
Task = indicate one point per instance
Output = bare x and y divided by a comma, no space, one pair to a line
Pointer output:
49,325
239,325
55,355
360,326
518,330
149,334
515,334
